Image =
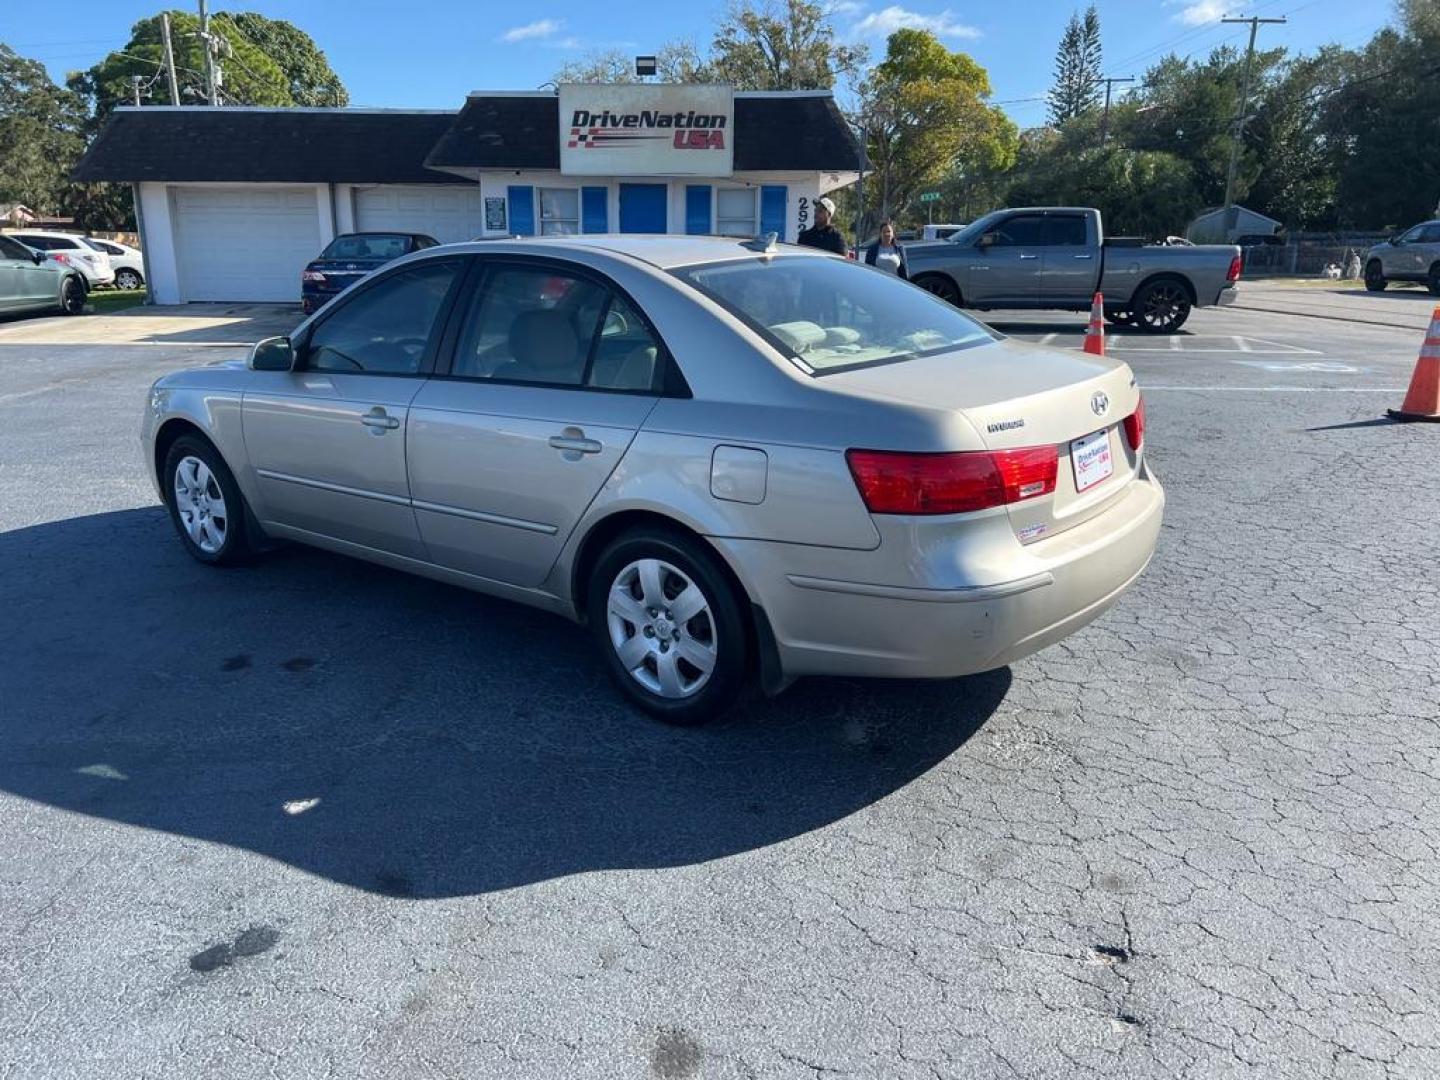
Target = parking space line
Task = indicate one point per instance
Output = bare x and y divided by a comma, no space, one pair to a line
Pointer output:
1147,387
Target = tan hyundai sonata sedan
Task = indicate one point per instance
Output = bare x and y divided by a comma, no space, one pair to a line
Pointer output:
729,460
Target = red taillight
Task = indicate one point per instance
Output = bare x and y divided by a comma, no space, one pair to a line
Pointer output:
955,483
1135,425
1233,274
311,275
60,258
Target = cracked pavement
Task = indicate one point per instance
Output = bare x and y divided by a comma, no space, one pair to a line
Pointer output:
313,818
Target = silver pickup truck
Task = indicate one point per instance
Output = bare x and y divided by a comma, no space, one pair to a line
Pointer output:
1057,257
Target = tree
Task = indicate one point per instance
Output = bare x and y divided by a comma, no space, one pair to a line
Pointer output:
924,115
675,62
311,79
782,45
1077,68
41,133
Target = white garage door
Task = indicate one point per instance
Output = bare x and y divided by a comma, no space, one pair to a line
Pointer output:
245,243
450,214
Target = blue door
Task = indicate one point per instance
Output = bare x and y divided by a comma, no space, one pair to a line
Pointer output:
642,208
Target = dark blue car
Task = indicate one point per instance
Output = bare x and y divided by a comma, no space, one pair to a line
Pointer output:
349,257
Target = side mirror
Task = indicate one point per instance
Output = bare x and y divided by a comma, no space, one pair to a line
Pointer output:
272,354
39,257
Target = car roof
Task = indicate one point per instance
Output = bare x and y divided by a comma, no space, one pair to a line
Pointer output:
51,233
664,251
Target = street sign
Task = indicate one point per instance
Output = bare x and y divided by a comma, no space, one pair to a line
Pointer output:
929,196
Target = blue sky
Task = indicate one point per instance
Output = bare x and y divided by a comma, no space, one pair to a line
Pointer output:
430,53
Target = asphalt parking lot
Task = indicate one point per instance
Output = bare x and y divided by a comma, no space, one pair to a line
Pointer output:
314,818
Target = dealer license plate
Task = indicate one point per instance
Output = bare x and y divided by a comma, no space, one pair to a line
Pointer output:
1092,460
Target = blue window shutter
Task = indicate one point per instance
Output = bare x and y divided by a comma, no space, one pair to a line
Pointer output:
522,209
594,209
772,209
697,209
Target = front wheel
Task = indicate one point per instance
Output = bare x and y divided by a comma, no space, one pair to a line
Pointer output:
941,286
72,296
205,503
1375,276
1161,307
669,626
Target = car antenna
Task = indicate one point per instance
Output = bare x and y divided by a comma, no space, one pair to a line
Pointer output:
765,243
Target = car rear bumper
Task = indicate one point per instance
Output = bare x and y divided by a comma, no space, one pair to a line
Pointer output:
825,625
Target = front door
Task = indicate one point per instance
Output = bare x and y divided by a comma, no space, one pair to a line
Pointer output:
552,374
22,282
642,208
1005,264
327,441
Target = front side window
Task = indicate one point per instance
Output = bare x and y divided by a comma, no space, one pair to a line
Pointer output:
1024,230
735,212
830,315
559,211
1431,235
537,325
385,328
1413,235
9,249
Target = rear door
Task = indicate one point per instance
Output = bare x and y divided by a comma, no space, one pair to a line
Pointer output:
1070,260
327,441
1006,263
553,372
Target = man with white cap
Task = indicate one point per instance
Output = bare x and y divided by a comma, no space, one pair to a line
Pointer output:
822,234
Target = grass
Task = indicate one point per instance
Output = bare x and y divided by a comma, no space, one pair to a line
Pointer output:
109,301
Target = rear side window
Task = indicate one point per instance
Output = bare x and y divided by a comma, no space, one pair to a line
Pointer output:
537,325
1065,230
46,243
384,329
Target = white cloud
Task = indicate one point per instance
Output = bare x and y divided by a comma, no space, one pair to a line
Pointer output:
540,28
1200,12
886,21
846,7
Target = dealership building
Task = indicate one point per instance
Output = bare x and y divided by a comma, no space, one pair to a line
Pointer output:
233,202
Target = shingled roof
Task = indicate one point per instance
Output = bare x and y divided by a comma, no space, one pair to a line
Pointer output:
376,146
773,132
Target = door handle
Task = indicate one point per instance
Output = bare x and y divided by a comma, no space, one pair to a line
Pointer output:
378,419
1029,256
575,443
1082,256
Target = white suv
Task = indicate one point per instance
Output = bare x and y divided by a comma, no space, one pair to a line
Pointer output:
126,261
72,251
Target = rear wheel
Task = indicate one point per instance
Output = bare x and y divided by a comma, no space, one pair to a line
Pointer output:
128,279
72,296
669,625
205,503
1161,307
1375,276
941,286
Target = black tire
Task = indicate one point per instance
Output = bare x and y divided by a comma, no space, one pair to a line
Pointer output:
1120,317
72,296
237,545
1433,281
127,278
941,286
1375,276
1161,306
720,627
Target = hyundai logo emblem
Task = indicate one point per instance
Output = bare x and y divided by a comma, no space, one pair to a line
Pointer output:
1099,402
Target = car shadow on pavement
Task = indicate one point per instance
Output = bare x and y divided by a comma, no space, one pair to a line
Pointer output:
398,735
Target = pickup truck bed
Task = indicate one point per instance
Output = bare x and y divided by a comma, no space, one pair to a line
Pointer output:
1056,258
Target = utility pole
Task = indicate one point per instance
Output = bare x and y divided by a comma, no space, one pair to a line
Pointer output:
1231,214
135,86
169,58
212,80
1105,120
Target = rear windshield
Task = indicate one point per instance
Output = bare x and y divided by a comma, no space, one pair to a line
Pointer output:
832,315
371,246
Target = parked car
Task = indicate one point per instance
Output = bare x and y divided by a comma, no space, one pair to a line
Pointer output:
126,261
724,458
1414,255
31,280
71,250
1058,257
348,258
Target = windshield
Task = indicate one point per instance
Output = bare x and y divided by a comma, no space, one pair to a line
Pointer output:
832,315
367,246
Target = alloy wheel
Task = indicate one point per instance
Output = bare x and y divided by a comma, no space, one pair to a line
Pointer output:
1164,306
662,628
127,279
72,297
201,505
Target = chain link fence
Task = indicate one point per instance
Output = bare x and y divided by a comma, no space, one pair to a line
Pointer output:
1309,254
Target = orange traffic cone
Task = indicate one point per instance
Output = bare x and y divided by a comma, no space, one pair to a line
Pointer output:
1095,335
1422,400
